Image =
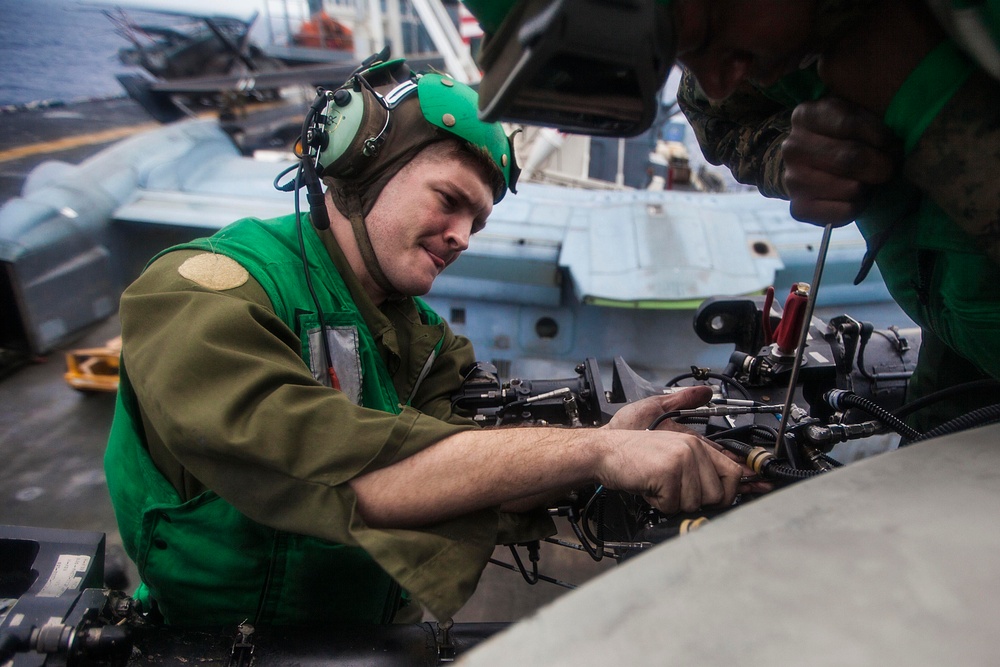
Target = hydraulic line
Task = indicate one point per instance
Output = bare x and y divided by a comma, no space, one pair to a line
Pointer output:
598,540
596,553
980,417
759,434
940,395
531,578
706,411
765,463
714,376
840,400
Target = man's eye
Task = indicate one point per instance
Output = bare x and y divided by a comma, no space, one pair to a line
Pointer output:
448,201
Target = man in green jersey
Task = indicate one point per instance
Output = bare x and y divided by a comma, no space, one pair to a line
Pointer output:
285,450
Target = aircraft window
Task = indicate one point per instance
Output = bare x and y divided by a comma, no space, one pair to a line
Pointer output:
546,327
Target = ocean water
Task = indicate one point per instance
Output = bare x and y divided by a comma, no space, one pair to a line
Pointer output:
59,50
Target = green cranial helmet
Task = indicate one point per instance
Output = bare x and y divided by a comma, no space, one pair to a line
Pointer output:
454,107
384,115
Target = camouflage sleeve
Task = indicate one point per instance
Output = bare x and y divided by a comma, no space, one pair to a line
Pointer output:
743,132
955,161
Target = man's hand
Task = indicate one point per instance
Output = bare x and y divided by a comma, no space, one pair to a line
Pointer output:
679,473
835,153
639,415
838,147
673,471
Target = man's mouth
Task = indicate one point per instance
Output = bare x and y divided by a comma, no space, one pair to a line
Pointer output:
439,261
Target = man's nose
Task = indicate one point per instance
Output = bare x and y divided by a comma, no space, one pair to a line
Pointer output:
458,236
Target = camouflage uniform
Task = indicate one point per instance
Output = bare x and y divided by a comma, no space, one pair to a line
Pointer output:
949,167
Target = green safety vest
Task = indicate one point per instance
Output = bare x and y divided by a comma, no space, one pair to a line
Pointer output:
203,562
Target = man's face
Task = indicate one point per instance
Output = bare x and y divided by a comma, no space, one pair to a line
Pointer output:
725,42
425,215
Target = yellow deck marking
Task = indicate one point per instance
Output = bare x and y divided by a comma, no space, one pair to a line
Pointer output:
66,143
92,138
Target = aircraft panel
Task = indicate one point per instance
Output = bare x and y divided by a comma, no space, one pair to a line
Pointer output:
888,561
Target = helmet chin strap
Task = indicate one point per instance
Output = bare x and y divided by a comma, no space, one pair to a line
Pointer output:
368,256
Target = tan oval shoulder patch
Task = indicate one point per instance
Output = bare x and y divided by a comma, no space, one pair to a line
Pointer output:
213,271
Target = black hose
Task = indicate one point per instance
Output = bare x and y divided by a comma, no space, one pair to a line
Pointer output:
662,418
681,419
541,577
839,399
980,417
715,376
943,394
771,470
598,499
764,434
531,578
759,433
597,554
831,461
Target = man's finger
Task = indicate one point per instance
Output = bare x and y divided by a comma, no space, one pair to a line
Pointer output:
838,118
641,414
841,156
686,399
808,182
824,212
729,474
692,489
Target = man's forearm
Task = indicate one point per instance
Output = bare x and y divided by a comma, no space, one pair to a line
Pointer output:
513,468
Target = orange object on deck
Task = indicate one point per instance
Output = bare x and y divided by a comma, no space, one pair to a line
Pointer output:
323,32
94,369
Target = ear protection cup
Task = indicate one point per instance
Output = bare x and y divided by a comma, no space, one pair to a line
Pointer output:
355,124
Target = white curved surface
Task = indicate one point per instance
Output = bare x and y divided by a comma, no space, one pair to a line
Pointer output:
891,561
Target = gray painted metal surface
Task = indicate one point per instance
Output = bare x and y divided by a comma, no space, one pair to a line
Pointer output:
65,243
889,561
549,255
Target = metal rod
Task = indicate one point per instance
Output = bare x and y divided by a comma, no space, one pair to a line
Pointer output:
824,246
541,577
